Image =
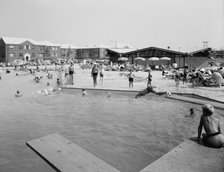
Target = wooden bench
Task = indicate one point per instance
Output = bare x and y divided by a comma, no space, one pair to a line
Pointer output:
65,156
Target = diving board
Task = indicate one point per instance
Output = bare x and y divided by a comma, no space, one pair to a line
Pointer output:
65,156
189,156
218,105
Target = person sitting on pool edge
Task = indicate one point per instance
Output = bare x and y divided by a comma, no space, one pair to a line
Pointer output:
212,136
150,89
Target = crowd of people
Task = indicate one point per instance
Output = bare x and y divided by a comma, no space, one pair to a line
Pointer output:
198,77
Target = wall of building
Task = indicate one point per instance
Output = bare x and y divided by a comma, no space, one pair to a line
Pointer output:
195,61
28,51
91,53
2,51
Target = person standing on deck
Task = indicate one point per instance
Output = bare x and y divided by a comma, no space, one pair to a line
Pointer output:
131,79
94,74
149,83
71,71
101,74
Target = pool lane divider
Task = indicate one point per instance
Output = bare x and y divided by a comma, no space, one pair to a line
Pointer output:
64,156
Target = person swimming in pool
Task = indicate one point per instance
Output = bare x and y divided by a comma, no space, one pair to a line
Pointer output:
212,136
47,91
18,94
151,89
84,93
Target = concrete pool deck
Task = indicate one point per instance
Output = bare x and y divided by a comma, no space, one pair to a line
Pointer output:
189,156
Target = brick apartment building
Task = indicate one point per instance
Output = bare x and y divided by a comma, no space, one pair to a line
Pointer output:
27,49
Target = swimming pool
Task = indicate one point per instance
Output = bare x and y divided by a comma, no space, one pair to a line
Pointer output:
125,132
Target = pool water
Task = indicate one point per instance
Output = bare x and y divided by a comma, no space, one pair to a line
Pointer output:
127,133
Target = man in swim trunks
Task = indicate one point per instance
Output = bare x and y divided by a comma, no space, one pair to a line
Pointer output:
71,72
131,79
150,89
212,136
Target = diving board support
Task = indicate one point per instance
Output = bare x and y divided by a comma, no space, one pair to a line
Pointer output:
65,156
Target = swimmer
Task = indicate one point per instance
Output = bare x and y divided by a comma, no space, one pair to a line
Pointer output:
150,89
191,113
38,78
18,94
109,94
48,91
84,93
212,136
58,82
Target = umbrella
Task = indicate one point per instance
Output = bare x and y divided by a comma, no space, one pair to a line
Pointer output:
165,58
153,59
122,59
140,58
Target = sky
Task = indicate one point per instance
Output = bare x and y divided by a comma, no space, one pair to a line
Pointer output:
180,24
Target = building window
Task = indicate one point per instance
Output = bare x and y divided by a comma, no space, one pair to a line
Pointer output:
54,48
11,55
40,55
33,55
20,54
26,47
11,47
20,47
33,46
54,54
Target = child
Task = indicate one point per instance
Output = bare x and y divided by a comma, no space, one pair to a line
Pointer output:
131,79
149,83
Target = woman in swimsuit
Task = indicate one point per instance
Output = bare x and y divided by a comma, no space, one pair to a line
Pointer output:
212,136
94,74
101,74
71,71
